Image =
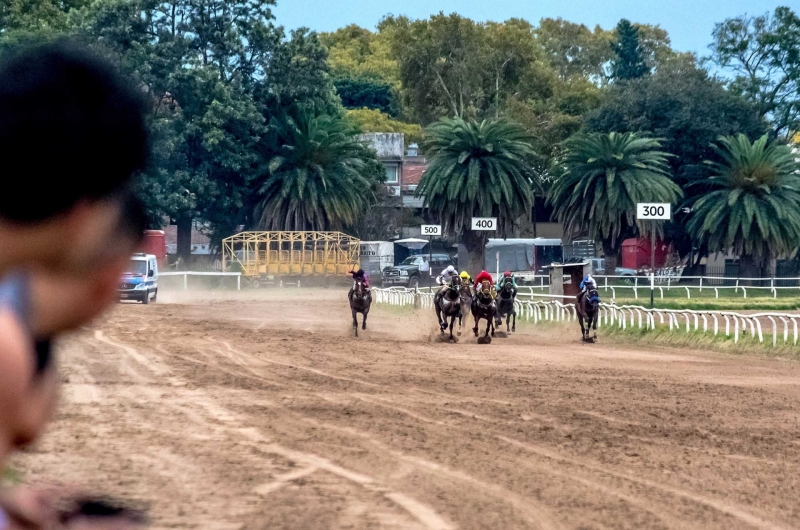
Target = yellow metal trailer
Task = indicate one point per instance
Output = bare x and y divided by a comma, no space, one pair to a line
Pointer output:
290,255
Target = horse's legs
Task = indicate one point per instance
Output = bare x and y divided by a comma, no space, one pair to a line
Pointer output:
514,320
475,329
594,323
583,330
364,321
442,325
489,325
355,321
452,322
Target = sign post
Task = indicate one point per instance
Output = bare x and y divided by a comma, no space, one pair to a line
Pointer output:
486,224
653,211
430,231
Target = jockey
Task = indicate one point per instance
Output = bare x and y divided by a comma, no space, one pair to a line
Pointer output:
445,279
484,276
586,284
508,277
359,276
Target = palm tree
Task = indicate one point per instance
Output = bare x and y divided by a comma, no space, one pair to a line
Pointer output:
477,170
752,204
605,175
318,175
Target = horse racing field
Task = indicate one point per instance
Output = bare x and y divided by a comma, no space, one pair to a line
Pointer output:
259,410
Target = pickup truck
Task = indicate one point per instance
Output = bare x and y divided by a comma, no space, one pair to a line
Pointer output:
407,273
599,268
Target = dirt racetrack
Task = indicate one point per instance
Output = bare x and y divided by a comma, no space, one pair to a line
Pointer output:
259,410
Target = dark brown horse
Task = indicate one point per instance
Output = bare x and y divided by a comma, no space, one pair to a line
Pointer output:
505,307
587,307
360,301
483,306
450,305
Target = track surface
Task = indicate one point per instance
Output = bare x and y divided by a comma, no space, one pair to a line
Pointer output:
251,410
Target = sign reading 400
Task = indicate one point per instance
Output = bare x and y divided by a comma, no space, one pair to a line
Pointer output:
484,223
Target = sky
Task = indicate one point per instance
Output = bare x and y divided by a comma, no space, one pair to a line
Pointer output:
688,22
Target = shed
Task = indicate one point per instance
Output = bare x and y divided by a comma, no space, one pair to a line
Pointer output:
565,279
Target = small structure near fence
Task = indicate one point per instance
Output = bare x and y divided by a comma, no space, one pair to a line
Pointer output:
565,279
288,256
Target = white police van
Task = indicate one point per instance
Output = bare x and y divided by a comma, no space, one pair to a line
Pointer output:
140,282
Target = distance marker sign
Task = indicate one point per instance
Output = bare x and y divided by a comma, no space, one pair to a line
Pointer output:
430,230
653,211
484,223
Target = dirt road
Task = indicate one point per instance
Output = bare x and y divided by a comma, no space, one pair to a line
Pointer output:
250,411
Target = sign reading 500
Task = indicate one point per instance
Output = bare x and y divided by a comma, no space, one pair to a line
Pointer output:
484,223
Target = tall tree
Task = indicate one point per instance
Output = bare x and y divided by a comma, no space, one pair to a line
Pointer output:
604,176
629,58
216,72
573,49
763,54
318,175
751,204
481,169
688,110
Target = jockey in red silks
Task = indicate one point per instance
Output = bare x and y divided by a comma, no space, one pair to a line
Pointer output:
484,276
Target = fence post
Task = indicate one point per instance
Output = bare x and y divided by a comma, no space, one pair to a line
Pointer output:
701,284
239,282
185,282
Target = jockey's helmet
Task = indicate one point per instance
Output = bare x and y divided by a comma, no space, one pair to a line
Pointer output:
464,275
451,269
507,274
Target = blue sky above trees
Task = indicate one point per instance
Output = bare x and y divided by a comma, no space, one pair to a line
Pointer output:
689,22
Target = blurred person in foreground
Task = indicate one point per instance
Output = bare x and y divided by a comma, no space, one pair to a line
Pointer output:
55,303
72,136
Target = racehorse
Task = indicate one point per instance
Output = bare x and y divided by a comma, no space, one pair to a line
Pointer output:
505,307
359,303
483,306
587,308
449,304
466,306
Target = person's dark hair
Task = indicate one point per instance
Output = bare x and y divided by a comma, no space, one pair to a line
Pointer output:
71,129
133,218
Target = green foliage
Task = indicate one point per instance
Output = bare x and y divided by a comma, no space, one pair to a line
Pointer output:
369,120
763,53
361,92
752,201
681,104
605,175
481,169
358,52
573,49
629,59
318,176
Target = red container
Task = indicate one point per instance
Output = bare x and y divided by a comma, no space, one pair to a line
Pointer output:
636,253
155,242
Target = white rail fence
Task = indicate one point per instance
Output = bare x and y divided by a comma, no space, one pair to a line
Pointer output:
782,326
668,283
186,275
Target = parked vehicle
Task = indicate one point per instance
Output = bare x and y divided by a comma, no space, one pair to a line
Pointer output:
141,281
599,268
407,273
